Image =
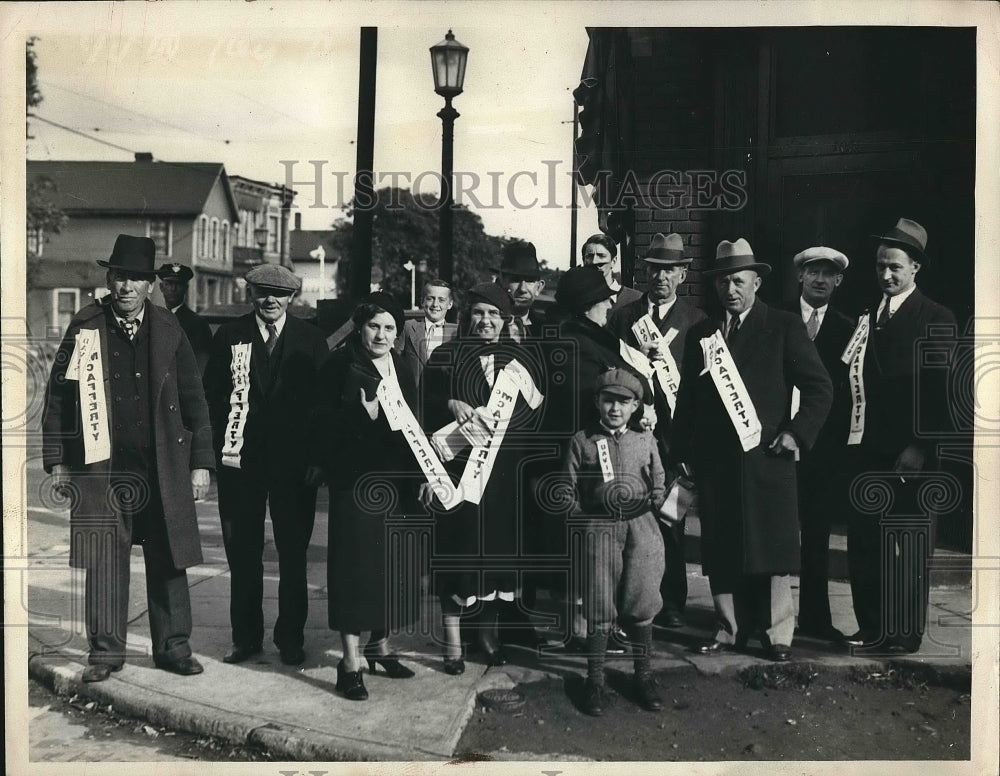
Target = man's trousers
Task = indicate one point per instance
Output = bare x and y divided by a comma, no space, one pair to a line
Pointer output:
244,500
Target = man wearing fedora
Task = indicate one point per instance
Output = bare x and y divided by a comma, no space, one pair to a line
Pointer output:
261,388
128,444
666,269
521,275
174,279
732,430
889,583
600,251
821,470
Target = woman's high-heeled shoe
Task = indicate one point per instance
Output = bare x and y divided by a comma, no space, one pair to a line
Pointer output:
351,684
393,668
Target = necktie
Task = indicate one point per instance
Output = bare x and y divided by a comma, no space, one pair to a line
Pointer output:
272,338
812,325
734,326
516,330
657,318
883,317
130,328
430,340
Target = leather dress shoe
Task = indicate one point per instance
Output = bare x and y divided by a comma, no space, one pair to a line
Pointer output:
858,639
185,666
712,648
779,653
98,672
292,656
454,666
242,652
669,620
645,690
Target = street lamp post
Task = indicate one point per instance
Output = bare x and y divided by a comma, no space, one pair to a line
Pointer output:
448,59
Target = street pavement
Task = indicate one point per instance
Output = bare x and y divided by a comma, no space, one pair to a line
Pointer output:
294,712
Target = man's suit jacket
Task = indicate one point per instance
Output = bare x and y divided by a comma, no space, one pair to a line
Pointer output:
412,343
682,316
198,332
830,342
282,397
748,500
893,379
180,426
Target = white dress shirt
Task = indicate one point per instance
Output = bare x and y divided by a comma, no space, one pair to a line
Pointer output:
894,301
279,325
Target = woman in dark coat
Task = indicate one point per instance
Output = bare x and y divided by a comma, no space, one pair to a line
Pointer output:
459,378
363,457
586,300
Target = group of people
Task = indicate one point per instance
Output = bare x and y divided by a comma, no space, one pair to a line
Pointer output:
558,451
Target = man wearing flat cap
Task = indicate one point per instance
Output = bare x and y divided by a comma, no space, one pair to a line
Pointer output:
521,275
261,389
734,433
821,470
126,431
174,279
889,581
600,251
672,317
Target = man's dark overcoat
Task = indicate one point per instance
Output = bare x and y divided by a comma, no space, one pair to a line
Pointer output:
748,500
181,433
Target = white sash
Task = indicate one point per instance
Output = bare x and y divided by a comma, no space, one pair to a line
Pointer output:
87,368
513,380
854,357
400,418
735,397
239,405
665,367
604,456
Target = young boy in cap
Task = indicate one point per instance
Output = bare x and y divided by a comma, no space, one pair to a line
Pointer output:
618,486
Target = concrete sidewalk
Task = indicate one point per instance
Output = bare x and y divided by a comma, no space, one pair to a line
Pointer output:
296,714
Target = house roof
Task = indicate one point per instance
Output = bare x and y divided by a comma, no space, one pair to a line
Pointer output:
150,188
302,241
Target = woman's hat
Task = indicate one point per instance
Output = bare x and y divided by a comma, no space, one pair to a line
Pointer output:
492,294
735,257
132,254
581,288
909,235
388,303
666,251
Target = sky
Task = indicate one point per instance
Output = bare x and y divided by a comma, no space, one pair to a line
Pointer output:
234,83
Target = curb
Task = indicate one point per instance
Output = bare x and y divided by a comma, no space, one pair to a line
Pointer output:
293,744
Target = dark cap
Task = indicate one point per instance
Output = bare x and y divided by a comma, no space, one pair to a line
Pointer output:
388,303
520,260
581,288
174,271
274,277
492,294
619,382
132,254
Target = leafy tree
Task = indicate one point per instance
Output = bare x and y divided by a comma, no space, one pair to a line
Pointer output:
406,228
33,95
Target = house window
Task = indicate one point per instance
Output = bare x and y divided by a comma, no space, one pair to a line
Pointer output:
201,236
273,238
36,239
225,241
160,232
215,238
65,303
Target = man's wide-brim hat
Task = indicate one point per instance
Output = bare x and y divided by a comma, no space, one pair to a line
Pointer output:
492,294
581,288
820,253
274,277
132,254
736,256
174,271
666,251
908,235
520,260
